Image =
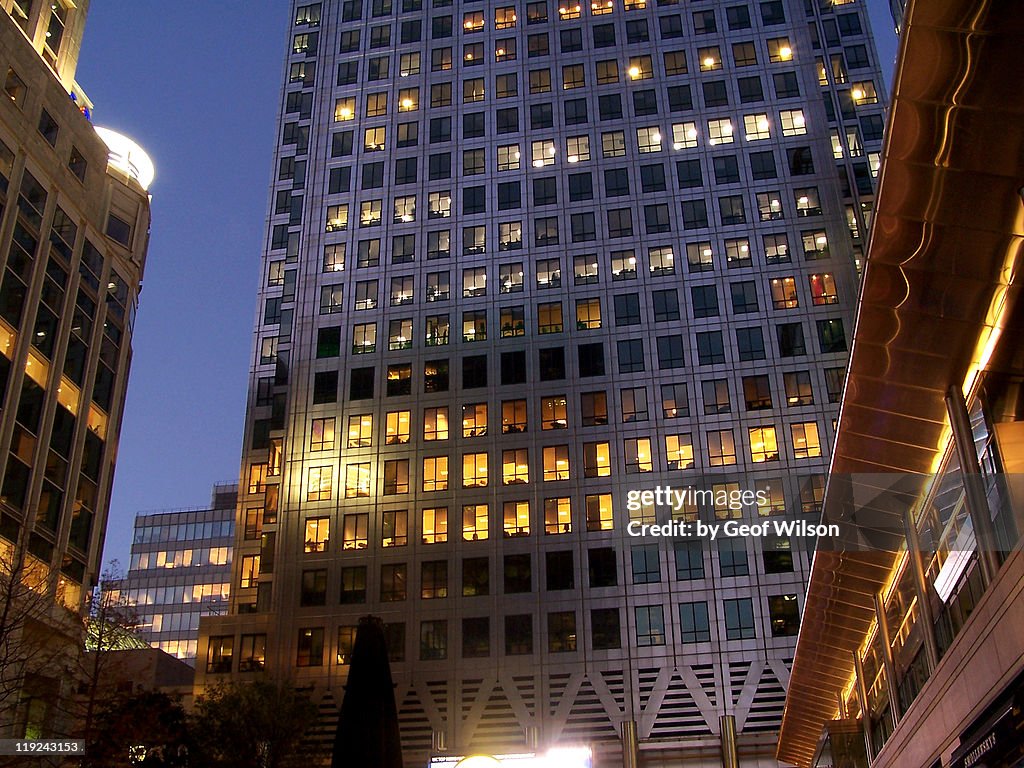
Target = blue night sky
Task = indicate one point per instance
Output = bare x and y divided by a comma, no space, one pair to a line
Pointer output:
197,85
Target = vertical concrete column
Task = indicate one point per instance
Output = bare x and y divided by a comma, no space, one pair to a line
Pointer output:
728,734
630,745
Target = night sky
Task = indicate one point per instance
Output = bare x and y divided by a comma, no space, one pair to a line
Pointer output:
197,85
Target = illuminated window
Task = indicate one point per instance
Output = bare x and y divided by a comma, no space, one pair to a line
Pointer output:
337,218
354,531
769,206
588,314
409,64
577,149
319,486
779,49
806,444
700,257
505,49
613,144
720,131
597,460
540,80
360,430
756,127
792,121
373,139
823,289
710,58
396,427
634,5
601,7
408,99
640,68
684,135
807,201
405,209
516,515
510,236
435,525
439,205
364,338
864,93
435,473
440,59
322,435
250,571
474,326
557,515
357,480
370,213
784,293
345,109
554,413
512,321
637,454
318,532
763,444
473,54
556,462
569,10
648,139
510,277
474,420
474,522
549,317
394,533
515,466
513,417
542,153
505,17
474,470
679,451
472,90
508,157
599,512
815,244
474,282
473,22
435,426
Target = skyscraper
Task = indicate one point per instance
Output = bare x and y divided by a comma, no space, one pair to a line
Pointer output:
522,260
74,227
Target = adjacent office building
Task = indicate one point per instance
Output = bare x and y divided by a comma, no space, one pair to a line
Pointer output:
522,259
912,650
180,570
73,237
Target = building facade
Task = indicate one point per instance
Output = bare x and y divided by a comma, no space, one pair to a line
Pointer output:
180,569
911,651
522,260
73,237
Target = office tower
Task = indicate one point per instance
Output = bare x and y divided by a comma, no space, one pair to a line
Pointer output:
912,651
180,570
73,238
521,260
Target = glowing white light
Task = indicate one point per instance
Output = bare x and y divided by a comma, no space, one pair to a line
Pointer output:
126,155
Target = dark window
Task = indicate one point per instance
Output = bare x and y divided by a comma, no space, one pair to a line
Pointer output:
727,169
552,364
715,93
591,359
666,305
710,348
605,630
750,89
545,191
474,371
576,112
517,577
689,560
476,576
325,387
513,367
601,567
786,85
571,40
581,187
519,634
680,98
609,106
670,352
631,355
645,103
790,337
559,571
762,165
688,172
831,337
695,214
627,308
750,344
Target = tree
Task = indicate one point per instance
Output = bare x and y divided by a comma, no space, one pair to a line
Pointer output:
40,640
367,734
111,625
148,729
257,724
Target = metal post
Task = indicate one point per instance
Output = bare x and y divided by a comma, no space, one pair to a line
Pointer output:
887,662
924,604
630,745
862,697
728,730
977,504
